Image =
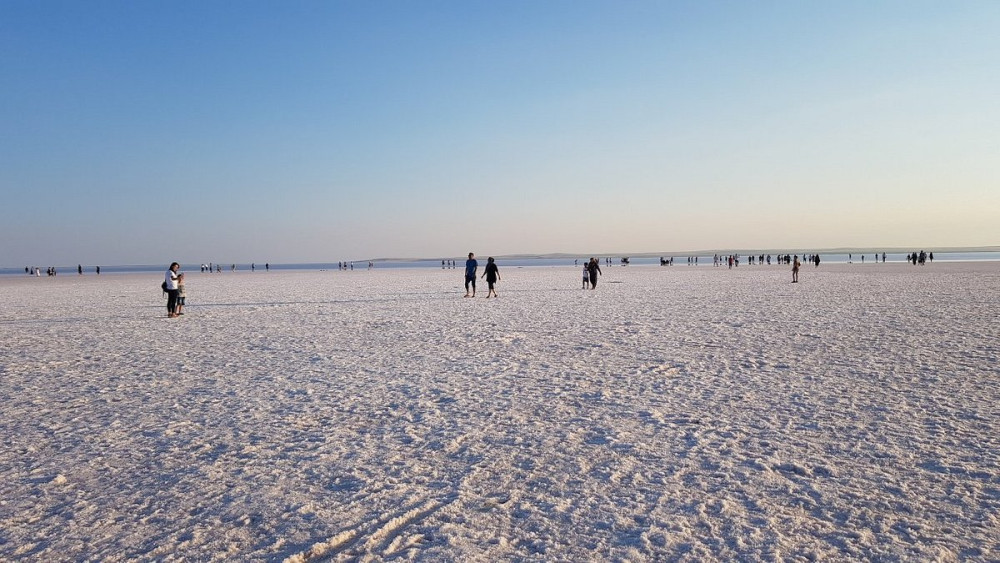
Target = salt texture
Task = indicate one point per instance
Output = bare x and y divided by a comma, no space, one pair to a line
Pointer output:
672,413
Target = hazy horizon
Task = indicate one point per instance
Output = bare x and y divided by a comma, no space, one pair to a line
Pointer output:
360,262
301,131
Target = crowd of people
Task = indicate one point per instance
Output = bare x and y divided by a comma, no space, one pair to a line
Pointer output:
173,284
51,271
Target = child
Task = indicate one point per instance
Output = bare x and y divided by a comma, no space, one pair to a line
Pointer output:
586,276
181,294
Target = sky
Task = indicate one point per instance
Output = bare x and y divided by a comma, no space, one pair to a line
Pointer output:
318,131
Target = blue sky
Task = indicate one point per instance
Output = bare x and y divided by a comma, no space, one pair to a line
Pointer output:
146,132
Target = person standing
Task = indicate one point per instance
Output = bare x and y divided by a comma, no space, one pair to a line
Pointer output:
594,268
171,280
586,275
181,294
470,274
492,275
795,269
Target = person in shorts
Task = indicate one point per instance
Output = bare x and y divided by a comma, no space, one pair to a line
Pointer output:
181,294
492,275
471,265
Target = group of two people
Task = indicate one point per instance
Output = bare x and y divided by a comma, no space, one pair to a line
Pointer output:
590,272
173,284
492,275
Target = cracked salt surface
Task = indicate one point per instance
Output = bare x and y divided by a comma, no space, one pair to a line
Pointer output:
683,413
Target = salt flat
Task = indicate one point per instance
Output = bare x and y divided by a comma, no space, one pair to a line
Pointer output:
688,413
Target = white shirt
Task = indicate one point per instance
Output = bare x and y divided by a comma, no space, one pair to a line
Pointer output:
171,279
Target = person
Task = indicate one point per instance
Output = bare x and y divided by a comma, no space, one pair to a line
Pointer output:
594,268
181,294
492,275
171,279
586,275
795,269
470,274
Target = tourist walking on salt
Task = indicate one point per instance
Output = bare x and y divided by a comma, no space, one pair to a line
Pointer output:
594,268
492,275
795,269
170,282
470,274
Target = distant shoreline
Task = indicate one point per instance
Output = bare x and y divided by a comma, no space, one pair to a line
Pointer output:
362,262
893,255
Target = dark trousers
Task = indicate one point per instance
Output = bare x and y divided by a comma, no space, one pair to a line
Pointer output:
172,300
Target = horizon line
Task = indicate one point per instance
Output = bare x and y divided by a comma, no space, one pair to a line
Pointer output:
569,255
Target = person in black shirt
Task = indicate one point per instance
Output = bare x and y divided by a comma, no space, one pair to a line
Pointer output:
492,275
594,268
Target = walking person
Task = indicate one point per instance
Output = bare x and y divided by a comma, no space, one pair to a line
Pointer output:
594,268
492,275
170,282
470,274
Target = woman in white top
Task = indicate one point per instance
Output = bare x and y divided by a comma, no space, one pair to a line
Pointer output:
170,279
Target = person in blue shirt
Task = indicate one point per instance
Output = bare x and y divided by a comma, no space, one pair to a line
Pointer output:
470,274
